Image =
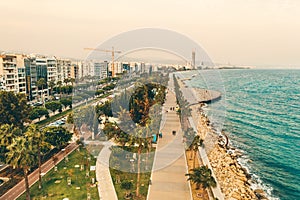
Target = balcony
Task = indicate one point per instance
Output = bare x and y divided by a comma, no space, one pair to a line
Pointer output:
9,66
10,77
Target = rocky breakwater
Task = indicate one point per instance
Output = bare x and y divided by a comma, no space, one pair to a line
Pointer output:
233,180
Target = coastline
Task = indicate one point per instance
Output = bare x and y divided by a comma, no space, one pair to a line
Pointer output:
235,181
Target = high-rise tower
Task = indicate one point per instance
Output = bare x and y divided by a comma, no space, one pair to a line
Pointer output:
193,59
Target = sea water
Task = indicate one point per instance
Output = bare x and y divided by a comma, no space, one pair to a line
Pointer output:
260,110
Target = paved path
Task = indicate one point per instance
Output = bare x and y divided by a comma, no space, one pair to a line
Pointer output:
19,189
106,187
169,168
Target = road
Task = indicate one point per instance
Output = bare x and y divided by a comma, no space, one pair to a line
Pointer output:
19,189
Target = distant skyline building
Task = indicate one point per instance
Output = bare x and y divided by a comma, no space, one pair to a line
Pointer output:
193,59
21,72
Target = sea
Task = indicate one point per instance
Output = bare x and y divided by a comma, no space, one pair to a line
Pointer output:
260,112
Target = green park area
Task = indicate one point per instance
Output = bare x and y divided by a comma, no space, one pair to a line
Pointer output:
72,178
123,169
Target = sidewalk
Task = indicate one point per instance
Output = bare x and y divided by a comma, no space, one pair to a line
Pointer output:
106,187
169,168
19,189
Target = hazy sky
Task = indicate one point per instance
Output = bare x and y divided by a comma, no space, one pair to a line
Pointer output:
250,32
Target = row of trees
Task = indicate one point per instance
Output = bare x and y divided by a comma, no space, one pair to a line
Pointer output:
38,112
184,109
200,176
57,87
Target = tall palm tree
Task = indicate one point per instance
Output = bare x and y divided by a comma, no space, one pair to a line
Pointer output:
21,154
41,83
72,81
196,143
39,144
66,81
139,139
59,83
7,133
51,84
202,176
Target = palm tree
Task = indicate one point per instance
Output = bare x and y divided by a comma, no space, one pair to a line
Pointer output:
139,138
197,142
201,176
39,144
21,154
51,84
72,81
7,133
66,81
41,83
59,83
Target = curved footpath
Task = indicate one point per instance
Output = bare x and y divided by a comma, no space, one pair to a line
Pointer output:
106,187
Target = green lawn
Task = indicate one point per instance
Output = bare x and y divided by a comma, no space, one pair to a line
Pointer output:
121,160
55,185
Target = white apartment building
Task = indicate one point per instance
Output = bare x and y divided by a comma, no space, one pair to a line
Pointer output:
12,73
63,69
51,70
101,70
118,67
77,69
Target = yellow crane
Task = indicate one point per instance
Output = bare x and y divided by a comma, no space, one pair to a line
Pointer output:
112,51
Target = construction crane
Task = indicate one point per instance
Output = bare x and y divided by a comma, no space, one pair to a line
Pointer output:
112,51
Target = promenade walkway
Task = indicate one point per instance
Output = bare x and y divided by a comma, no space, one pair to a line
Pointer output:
106,187
19,189
169,168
